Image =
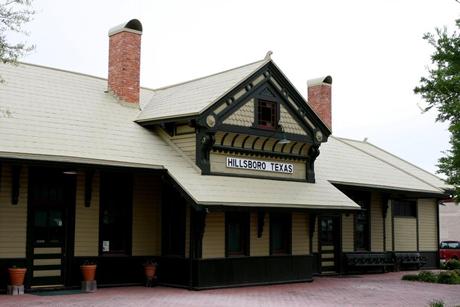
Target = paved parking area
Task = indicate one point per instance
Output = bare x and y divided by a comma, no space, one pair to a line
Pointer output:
363,290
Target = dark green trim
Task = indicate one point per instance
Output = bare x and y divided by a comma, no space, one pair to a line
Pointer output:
438,259
417,226
392,227
392,193
89,176
246,218
260,222
336,218
163,121
225,149
239,271
47,267
47,256
129,186
38,174
15,183
288,215
298,99
254,131
254,177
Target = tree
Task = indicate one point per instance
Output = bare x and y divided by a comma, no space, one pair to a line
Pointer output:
13,15
441,89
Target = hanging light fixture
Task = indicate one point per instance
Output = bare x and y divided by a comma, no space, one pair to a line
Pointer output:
283,140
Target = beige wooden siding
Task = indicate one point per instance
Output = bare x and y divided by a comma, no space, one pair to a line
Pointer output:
186,143
315,237
259,246
376,221
428,228
405,234
388,229
300,234
87,218
146,215
348,232
13,218
187,230
219,165
184,129
214,235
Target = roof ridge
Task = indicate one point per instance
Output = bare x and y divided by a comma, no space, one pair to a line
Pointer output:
73,72
396,167
397,157
207,76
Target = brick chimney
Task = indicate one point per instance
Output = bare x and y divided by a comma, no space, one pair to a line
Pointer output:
319,98
125,60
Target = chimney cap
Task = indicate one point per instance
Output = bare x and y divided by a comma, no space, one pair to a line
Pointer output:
134,26
319,81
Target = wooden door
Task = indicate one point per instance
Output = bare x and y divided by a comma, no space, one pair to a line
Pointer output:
329,238
50,230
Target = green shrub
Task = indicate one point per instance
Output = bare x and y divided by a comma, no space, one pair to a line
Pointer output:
453,264
410,277
437,303
427,276
448,277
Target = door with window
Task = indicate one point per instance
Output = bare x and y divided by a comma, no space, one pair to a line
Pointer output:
329,236
51,196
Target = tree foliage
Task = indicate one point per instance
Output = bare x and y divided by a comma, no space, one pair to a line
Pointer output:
441,89
13,15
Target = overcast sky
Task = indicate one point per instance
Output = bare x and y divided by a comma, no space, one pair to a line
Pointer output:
373,50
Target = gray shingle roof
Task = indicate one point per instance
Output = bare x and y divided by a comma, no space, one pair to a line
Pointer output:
192,97
341,162
49,114
399,163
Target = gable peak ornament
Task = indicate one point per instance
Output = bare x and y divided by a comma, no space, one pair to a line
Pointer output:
268,55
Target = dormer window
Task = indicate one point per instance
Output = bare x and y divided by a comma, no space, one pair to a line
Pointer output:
267,115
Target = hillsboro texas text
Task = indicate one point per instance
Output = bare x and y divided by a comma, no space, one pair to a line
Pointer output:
257,165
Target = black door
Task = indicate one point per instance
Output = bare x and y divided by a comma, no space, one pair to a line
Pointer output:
329,236
50,228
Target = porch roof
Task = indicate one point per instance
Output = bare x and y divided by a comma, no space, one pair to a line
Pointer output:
54,115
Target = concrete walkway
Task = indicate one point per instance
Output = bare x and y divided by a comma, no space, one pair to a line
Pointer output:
363,290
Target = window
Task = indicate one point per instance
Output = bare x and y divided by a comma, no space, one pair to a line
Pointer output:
173,223
362,226
267,114
406,208
280,233
450,245
237,233
115,213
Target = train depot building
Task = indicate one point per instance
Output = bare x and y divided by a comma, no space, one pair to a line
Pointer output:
230,179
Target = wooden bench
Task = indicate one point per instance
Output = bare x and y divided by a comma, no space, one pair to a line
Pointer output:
359,260
414,259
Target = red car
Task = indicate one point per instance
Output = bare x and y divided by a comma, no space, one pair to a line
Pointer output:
449,250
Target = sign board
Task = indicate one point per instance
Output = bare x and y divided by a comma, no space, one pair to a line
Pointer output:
258,165
106,246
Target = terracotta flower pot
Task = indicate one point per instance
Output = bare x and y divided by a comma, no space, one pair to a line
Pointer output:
88,271
17,276
150,271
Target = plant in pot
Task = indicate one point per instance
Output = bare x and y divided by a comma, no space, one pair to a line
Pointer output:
17,275
88,270
150,270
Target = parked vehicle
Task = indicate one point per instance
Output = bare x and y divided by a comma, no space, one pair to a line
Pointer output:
449,250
